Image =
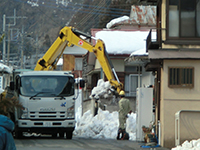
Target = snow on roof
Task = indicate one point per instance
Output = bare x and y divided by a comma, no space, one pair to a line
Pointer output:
139,16
124,42
116,20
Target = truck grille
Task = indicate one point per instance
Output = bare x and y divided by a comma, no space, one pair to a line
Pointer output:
47,115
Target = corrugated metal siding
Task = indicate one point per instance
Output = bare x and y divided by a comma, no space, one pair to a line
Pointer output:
143,15
140,16
148,2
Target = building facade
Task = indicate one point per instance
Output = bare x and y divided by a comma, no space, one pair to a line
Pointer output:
174,58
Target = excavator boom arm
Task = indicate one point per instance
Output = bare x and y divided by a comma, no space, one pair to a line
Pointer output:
68,37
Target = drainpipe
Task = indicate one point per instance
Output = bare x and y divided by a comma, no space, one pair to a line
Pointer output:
139,77
159,132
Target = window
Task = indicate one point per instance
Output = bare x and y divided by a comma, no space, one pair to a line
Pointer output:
184,18
78,63
133,79
181,77
47,86
132,83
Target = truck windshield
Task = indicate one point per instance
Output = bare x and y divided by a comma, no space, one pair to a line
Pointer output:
47,86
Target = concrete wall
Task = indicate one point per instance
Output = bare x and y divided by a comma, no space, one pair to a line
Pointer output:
147,78
176,99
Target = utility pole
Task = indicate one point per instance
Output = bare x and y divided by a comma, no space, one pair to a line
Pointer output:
4,30
8,56
4,39
22,48
36,55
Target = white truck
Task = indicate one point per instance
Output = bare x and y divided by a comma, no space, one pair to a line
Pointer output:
48,101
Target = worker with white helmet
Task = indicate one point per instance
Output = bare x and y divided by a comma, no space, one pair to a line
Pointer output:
124,109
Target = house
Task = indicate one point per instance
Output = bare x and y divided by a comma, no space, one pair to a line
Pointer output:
72,60
123,36
174,59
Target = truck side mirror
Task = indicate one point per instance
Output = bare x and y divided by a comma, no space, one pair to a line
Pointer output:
82,83
12,85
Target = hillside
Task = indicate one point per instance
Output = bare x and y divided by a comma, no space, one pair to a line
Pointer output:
44,19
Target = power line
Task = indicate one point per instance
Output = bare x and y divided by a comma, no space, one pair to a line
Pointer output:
95,12
89,15
85,10
95,15
94,6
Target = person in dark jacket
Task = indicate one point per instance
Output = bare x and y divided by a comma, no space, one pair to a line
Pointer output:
6,139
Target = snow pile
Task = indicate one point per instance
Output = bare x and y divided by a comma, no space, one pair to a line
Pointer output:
131,126
116,20
192,145
103,126
102,90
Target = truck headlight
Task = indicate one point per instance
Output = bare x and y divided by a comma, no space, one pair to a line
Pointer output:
24,113
70,112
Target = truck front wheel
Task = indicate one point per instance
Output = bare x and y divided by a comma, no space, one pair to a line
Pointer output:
54,135
69,135
61,134
18,134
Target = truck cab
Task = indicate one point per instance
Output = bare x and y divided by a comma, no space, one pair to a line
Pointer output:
48,99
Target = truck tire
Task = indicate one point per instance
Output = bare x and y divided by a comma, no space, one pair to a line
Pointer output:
54,135
61,134
18,134
69,135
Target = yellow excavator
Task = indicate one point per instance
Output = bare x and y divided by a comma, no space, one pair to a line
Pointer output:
2,36
43,92
69,36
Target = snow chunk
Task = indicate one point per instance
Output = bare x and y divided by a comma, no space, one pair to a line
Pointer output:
102,90
117,20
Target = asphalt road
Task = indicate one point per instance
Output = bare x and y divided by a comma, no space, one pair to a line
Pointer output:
49,143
